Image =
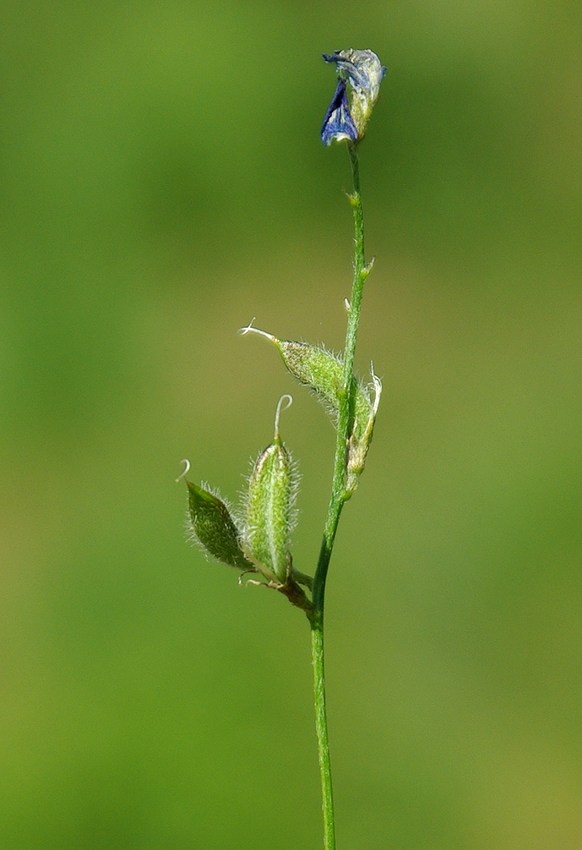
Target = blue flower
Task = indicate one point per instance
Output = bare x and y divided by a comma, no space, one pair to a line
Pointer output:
360,73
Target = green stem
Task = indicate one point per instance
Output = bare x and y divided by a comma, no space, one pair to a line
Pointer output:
346,400
322,736
339,495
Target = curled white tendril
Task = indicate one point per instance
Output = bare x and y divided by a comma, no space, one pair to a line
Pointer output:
186,469
377,389
286,400
250,329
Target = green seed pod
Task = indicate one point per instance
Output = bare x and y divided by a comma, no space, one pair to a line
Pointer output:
314,367
270,514
212,526
322,371
361,438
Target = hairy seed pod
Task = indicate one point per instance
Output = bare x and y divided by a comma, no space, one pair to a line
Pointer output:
213,527
361,438
323,372
270,501
316,368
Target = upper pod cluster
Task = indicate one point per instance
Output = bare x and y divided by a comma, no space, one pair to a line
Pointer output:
323,372
360,73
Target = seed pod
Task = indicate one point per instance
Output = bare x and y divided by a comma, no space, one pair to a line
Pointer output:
212,526
322,371
270,514
361,439
314,367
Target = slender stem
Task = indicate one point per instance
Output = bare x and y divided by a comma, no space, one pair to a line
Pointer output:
339,495
346,401
322,736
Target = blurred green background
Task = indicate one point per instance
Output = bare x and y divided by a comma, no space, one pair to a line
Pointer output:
162,182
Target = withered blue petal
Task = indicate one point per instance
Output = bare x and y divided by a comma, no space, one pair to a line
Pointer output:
338,122
359,73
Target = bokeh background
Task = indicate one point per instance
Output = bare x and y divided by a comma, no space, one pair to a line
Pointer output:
162,182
